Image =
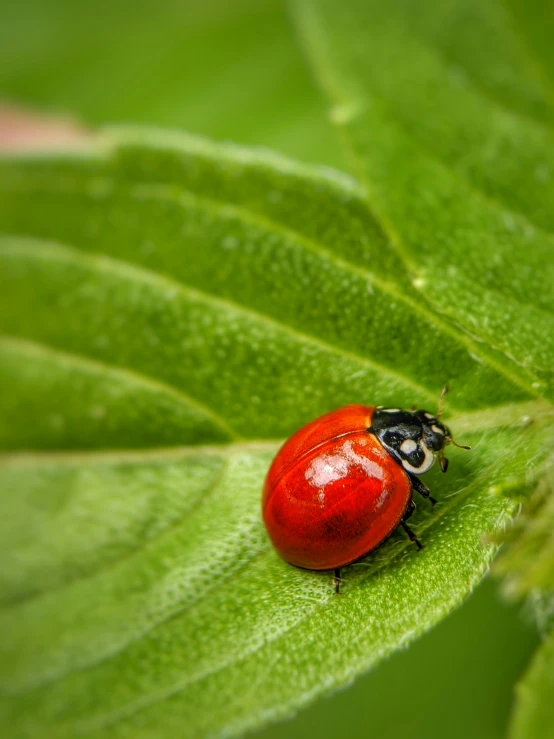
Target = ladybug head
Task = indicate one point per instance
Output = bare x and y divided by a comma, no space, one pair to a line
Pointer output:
413,438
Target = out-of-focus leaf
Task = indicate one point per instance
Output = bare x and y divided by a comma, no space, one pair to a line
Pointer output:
534,712
528,561
227,69
542,605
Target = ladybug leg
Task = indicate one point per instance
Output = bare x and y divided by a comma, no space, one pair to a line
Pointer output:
412,537
337,581
409,510
422,489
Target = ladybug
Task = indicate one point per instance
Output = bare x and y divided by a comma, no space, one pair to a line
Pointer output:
342,484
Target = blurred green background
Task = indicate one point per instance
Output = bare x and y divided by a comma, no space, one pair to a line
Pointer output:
229,69
232,70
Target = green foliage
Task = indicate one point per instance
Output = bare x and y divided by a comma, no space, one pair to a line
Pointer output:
172,308
528,563
464,182
528,567
172,275
448,114
534,714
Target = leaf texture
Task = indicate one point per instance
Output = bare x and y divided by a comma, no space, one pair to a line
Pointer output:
171,308
460,177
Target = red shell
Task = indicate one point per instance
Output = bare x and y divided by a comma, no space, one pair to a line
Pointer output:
333,493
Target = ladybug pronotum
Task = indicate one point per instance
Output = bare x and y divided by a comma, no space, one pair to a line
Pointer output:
342,484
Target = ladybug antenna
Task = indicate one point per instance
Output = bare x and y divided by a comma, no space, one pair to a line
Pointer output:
460,446
441,400
449,439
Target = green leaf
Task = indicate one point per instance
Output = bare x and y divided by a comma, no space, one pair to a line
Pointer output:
457,157
542,604
534,713
448,114
528,563
171,308
475,695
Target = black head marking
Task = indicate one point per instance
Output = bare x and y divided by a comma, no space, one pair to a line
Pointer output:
435,433
411,437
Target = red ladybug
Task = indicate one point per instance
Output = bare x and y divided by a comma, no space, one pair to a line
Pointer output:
341,485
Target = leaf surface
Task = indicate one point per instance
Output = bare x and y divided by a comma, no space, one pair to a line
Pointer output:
448,115
170,309
457,160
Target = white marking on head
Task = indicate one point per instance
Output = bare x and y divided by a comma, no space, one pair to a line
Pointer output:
429,415
437,430
408,446
426,464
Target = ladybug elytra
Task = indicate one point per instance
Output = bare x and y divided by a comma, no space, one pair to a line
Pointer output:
342,484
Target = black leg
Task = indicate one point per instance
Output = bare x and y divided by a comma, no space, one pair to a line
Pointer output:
409,510
337,581
422,489
413,538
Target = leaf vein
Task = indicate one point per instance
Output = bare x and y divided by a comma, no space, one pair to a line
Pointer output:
44,250
131,377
